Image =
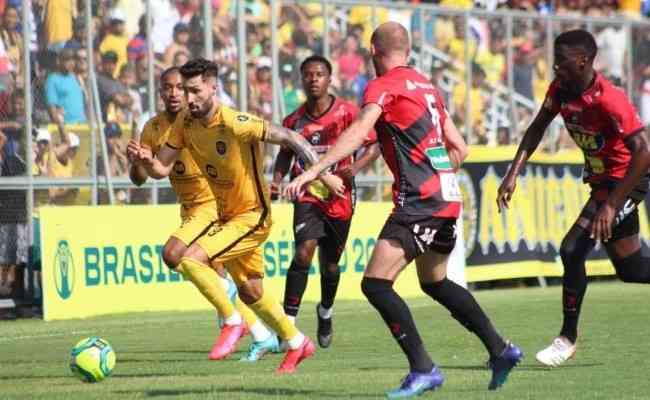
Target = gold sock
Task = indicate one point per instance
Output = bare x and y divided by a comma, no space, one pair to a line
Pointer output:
205,279
272,313
247,314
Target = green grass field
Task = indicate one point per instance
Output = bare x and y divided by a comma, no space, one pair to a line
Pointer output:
164,355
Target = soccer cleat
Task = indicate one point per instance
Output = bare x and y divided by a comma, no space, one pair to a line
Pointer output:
416,383
227,342
503,364
557,353
295,356
324,330
257,350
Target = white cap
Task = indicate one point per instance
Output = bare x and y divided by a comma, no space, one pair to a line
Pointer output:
74,140
263,62
43,134
116,14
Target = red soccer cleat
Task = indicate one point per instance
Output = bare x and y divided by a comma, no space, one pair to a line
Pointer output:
295,356
227,341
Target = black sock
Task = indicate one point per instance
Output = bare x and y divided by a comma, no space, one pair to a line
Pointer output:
634,268
294,288
573,251
329,283
463,307
398,317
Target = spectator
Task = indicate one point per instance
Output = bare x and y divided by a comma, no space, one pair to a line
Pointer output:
116,40
126,114
164,16
477,104
111,90
61,165
81,72
493,60
42,138
64,95
522,69
117,161
262,91
78,40
137,48
13,205
180,39
350,61
612,43
180,58
59,15
13,42
644,108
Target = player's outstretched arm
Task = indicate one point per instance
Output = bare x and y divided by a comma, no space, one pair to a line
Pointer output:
160,165
527,147
349,141
280,135
601,228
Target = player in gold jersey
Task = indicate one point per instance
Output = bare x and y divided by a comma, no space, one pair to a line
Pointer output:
197,212
226,145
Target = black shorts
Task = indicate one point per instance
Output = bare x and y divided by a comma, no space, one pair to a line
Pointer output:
626,221
420,235
310,222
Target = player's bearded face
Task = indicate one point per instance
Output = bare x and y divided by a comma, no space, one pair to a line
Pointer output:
199,95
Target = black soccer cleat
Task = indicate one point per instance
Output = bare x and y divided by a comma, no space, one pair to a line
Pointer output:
324,330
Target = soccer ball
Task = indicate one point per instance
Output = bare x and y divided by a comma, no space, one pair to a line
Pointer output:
92,359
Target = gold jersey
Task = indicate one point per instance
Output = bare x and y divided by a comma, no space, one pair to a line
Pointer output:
186,178
228,150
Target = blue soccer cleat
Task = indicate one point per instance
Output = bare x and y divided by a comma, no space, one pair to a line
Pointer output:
503,364
257,350
416,383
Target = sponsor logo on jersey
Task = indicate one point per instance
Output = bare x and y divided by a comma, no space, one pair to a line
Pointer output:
587,141
242,118
179,167
221,147
211,171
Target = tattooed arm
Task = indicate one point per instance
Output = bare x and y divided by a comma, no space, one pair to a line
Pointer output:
280,135
349,141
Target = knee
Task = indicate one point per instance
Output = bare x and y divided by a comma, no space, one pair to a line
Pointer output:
434,289
373,287
305,253
249,293
633,268
574,250
172,255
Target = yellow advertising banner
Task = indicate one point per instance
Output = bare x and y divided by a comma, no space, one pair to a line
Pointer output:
103,260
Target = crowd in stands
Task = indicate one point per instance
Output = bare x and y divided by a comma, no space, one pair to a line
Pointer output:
445,44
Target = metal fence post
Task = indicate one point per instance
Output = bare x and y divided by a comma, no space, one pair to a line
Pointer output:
151,84
242,91
98,111
208,46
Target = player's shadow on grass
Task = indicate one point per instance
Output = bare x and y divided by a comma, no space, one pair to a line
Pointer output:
239,390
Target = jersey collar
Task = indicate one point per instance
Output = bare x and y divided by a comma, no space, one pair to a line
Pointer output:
594,91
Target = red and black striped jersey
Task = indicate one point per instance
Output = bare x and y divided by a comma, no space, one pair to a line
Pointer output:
410,131
322,132
599,121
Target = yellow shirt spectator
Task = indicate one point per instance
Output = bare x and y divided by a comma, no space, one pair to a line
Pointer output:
117,44
58,20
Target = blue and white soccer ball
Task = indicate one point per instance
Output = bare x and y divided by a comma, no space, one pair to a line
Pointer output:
92,359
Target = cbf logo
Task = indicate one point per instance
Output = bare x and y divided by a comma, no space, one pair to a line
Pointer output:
64,272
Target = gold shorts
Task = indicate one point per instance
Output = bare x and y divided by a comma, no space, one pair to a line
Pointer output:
195,221
237,243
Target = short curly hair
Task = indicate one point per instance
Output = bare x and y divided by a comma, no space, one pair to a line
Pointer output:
578,38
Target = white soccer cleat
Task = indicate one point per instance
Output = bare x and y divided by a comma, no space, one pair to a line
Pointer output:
557,353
